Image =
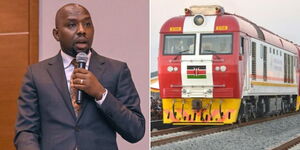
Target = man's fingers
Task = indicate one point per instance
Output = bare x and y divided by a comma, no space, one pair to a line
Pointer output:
79,76
79,86
80,70
79,73
79,81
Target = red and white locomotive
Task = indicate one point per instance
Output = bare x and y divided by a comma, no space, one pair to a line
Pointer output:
218,68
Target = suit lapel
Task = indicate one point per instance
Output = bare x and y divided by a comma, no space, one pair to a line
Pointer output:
57,73
96,66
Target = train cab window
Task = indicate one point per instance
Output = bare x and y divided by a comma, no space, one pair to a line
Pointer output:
216,44
183,44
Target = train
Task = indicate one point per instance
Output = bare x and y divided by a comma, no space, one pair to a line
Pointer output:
218,68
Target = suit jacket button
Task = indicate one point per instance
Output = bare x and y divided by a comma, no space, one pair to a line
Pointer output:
77,129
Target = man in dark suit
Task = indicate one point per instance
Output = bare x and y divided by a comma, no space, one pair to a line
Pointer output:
48,117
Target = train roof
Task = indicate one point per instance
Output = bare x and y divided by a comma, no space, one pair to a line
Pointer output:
233,23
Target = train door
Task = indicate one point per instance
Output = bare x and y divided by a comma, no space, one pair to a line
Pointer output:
243,61
251,64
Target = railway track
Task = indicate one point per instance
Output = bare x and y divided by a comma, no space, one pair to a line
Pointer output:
195,132
172,130
288,144
158,125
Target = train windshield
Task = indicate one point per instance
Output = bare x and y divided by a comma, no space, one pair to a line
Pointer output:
216,44
179,44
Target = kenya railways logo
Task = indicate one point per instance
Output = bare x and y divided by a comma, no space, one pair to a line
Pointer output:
196,72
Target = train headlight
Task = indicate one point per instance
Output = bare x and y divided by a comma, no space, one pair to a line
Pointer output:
185,91
175,69
223,68
170,68
198,20
217,68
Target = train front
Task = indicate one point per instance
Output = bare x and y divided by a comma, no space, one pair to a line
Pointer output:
199,75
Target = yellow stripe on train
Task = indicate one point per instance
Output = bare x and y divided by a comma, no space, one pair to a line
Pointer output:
213,111
298,103
273,84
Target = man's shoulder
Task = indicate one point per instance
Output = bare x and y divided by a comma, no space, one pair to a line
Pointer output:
109,61
113,61
43,63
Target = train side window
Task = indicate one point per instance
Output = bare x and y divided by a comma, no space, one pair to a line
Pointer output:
273,51
270,50
242,45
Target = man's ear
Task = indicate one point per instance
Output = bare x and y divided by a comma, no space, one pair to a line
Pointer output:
55,34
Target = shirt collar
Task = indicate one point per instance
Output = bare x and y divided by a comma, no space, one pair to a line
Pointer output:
67,59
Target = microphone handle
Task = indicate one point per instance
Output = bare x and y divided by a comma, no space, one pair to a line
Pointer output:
79,97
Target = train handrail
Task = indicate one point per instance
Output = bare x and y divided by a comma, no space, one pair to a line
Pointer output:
194,86
202,60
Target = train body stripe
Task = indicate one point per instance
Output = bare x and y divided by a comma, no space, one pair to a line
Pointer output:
273,84
268,77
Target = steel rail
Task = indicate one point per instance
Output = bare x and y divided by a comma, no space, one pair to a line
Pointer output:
288,144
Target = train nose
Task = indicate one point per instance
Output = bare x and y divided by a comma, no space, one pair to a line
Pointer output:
197,78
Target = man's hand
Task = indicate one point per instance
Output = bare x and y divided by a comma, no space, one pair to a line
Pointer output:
86,81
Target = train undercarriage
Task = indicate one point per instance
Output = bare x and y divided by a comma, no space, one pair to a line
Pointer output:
259,106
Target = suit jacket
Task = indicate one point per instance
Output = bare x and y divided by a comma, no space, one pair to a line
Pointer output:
46,119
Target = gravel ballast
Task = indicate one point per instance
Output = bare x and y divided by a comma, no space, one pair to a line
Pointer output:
261,136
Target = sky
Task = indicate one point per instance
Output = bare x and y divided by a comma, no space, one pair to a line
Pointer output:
280,17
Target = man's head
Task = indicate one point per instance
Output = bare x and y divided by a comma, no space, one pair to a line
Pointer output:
74,29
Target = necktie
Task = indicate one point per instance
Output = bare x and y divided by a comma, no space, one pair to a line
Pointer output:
73,92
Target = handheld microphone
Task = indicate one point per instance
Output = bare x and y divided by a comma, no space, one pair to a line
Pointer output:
81,59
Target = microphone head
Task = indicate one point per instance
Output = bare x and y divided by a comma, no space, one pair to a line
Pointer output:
81,57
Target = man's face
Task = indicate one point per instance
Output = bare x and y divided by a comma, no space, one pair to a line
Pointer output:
74,30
